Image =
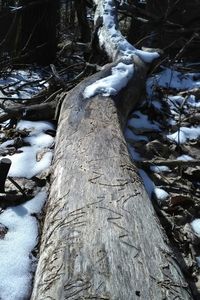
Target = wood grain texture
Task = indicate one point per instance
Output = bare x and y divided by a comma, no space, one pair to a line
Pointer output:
101,237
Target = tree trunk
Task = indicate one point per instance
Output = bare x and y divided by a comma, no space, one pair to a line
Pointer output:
101,238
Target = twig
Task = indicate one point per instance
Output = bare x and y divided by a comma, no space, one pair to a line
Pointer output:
13,199
178,55
168,163
17,185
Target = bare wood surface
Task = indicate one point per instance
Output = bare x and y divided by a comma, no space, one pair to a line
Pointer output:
101,237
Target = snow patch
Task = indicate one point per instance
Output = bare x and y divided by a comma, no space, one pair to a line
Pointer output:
157,105
15,249
25,164
35,127
184,134
193,102
185,157
147,57
160,194
159,169
140,121
41,140
7,143
174,103
196,226
35,158
170,78
151,188
111,85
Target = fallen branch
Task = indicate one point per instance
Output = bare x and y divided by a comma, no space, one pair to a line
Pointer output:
11,199
35,112
168,163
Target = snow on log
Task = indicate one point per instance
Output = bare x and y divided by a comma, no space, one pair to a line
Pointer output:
101,238
112,84
111,39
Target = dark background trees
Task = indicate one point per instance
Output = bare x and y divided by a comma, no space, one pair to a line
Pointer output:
31,29
169,25
28,30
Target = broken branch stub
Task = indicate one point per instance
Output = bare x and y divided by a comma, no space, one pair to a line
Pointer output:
5,164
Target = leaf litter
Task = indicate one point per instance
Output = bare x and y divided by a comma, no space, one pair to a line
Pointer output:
29,146
165,128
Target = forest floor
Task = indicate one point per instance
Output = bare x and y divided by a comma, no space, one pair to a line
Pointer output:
29,147
163,140
163,137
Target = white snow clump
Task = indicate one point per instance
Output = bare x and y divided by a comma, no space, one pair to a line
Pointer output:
112,84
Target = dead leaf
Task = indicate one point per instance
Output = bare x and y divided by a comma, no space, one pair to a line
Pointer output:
181,200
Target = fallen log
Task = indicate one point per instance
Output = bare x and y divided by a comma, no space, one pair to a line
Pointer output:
35,112
101,237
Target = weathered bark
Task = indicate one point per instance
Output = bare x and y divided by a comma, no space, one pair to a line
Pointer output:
101,238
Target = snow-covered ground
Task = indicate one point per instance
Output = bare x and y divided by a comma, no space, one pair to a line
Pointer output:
17,262
158,130
27,163
19,226
23,84
166,127
169,79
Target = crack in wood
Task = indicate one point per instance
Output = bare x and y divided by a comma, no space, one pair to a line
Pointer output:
117,185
